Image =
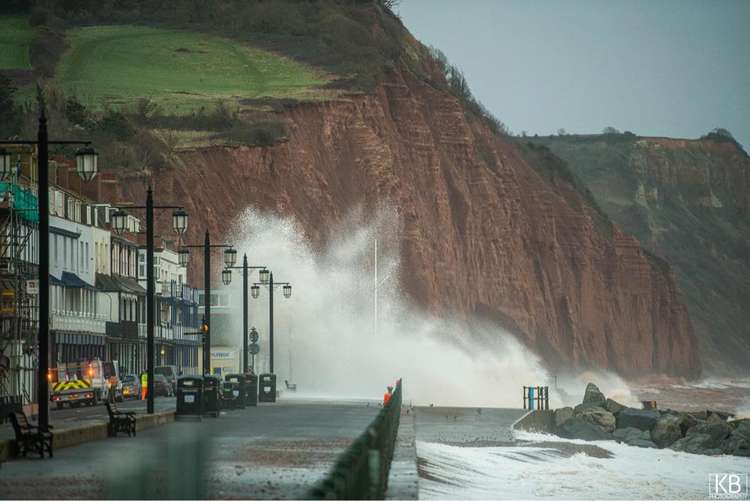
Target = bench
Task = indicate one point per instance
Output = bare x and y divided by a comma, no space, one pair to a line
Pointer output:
290,386
119,421
30,438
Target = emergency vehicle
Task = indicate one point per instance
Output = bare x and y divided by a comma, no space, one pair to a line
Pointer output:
86,382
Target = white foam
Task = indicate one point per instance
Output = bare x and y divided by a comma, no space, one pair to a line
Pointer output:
541,472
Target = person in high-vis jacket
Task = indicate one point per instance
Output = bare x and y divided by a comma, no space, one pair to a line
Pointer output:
387,396
144,385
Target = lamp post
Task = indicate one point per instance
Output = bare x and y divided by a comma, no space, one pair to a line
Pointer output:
266,278
87,167
230,257
120,225
245,321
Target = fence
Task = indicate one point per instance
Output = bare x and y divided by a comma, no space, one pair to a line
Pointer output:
537,397
361,472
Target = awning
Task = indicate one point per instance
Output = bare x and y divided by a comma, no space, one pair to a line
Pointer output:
73,280
112,283
55,281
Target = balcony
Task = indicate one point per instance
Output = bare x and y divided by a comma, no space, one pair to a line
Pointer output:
74,321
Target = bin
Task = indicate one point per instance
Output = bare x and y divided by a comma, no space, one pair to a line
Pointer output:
211,395
267,388
241,381
189,395
251,387
230,395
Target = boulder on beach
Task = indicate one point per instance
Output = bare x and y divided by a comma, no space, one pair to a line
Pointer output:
597,416
576,427
704,438
562,415
614,407
637,418
737,444
634,437
742,427
594,396
667,430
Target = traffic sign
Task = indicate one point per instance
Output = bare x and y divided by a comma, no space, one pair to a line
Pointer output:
253,336
254,349
32,287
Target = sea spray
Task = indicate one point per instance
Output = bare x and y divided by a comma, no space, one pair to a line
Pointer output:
329,342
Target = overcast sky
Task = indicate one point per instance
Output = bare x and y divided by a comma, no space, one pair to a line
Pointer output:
655,67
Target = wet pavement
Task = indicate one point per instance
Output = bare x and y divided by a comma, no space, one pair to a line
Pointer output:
80,416
272,451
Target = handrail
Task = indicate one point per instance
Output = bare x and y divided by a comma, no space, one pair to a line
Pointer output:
361,472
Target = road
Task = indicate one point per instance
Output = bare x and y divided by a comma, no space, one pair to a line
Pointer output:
271,451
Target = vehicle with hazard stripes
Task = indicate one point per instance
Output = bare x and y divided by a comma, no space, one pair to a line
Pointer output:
87,382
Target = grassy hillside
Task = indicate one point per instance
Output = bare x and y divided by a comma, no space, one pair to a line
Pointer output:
15,38
178,70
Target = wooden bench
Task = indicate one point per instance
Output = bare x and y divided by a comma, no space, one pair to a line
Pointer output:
119,421
290,386
30,438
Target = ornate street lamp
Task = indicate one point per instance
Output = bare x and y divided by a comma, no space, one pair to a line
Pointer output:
255,291
226,276
184,256
287,289
6,164
180,221
264,276
119,221
230,257
87,163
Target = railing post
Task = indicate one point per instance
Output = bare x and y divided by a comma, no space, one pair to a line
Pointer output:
524,398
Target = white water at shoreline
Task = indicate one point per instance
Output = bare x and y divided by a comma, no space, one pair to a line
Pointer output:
540,471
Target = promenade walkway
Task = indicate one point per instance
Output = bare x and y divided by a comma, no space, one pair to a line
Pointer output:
269,451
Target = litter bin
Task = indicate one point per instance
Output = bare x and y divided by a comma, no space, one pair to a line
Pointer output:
230,395
267,388
211,395
241,386
251,389
189,390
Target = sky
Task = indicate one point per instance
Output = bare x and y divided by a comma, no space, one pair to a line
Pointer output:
674,68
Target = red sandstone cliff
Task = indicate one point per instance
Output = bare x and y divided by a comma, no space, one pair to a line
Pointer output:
482,232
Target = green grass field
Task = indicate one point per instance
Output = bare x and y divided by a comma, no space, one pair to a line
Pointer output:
15,38
181,71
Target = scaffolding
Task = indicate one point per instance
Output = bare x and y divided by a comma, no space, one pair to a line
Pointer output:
19,218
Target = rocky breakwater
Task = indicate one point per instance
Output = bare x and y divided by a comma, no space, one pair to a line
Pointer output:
601,418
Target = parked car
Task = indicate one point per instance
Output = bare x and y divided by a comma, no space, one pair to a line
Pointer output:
162,386
170,372
131,386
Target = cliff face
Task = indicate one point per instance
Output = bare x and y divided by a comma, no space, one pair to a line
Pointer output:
686,201
483,232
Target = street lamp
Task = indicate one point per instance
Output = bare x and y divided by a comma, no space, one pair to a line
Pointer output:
230,257
264,274
287,290
255,290
119,221
206,327
120,225
226,276
87,163
184,256
87,170
180,221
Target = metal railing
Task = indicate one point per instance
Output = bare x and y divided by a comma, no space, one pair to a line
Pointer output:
361,472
